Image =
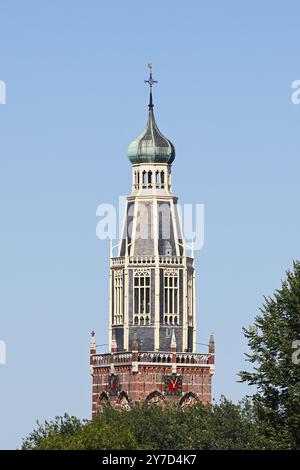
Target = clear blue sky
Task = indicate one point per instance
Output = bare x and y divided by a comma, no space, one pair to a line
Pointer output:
74,72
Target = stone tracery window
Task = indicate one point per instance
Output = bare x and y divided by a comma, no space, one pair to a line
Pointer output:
142,298
118,297
190,299
171,296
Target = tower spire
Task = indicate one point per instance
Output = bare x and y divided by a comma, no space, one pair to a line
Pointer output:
151,146
150,82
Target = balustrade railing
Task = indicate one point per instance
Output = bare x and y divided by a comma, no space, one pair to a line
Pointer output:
154,357
171,260
150,260
137,260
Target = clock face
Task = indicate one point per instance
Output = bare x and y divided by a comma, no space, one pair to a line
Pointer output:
113,385
173,385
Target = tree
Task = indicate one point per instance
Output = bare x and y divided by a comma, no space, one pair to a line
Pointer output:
62,427
69,433
275,374
222,425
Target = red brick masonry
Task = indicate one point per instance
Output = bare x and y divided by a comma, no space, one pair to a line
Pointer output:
125,378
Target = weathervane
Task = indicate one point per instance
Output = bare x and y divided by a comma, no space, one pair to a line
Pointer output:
151,82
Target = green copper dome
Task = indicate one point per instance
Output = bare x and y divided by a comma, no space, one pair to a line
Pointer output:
151,146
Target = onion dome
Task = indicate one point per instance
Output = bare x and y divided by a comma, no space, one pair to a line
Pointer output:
151,146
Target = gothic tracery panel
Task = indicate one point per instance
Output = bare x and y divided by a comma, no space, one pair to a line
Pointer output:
142,296
102,402
189,399
155,398
123,401
118,316
171,296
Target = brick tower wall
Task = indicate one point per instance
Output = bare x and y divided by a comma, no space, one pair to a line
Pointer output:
139,382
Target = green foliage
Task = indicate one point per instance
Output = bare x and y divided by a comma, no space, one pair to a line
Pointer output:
220,426
275,375
62,427
69,433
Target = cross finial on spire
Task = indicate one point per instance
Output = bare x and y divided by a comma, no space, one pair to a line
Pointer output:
151,82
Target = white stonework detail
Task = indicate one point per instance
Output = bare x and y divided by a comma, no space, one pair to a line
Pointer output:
118,273
171,272
141,272
118,316
152,179
142,297
171,297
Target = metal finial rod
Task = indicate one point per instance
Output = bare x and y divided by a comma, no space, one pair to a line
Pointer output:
150,82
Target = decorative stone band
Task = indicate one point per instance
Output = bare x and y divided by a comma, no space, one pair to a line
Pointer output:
152,357
151,260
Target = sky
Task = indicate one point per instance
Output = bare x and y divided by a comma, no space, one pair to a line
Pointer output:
75,98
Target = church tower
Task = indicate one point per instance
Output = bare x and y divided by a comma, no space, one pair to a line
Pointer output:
152,311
